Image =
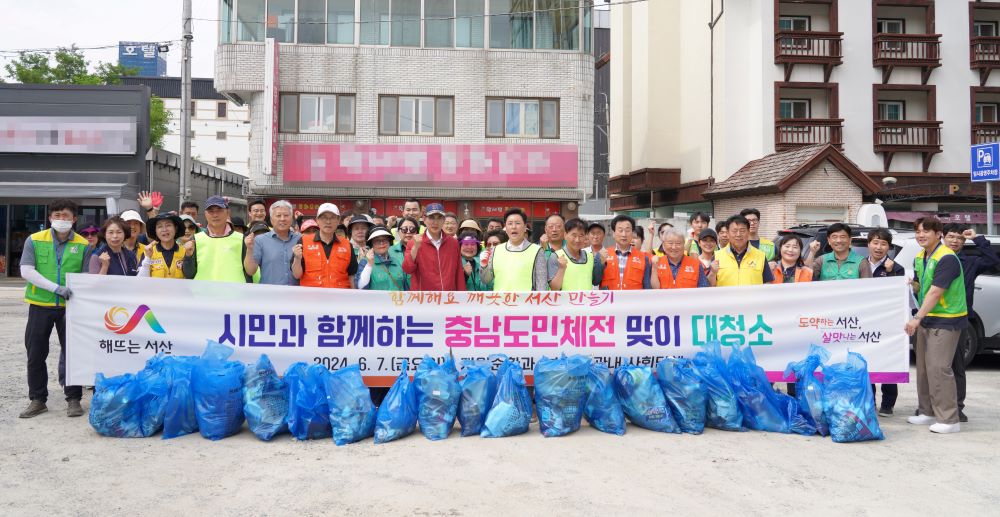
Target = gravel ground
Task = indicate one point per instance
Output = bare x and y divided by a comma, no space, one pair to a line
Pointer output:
53,465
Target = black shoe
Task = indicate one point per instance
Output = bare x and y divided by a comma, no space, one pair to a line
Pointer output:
35,408
885,411
73,408
962,418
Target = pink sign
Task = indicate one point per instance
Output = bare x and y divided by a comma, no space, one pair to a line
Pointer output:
514,165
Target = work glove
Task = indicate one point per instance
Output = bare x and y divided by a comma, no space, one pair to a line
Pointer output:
64,291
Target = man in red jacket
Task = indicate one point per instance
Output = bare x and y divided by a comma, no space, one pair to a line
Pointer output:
434,265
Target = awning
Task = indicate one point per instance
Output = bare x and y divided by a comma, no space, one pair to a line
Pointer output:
956,217
56,190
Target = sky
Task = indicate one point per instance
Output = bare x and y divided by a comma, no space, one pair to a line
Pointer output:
93,23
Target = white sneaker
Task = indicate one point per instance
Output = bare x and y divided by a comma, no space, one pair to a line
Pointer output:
945,428
921,420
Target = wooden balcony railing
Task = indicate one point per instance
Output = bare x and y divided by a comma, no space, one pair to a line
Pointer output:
808,47
985,51
907,49
793,133
985,132
907,135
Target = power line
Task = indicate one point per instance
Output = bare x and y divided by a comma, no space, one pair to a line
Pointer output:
45,50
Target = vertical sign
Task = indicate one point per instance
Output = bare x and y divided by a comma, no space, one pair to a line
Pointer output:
985,164
270,98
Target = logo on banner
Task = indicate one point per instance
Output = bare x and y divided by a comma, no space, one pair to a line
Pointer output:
111,319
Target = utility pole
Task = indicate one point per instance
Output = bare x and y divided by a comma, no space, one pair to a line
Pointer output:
185,191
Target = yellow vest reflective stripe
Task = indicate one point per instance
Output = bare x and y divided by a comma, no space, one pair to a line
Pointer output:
45,263
512,270
578,277
219,258
750,271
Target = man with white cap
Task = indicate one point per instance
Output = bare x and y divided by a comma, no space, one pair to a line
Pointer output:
325,260
433,260
136,228
218,253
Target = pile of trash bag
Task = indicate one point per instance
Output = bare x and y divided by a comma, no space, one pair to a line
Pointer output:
763,408
809,389
179,416
397,416
510,412
723,411
684,393
478,386
217,385
438,395
561,393
114,410
265,400
848,401
352,413
603,411
308,412
642,399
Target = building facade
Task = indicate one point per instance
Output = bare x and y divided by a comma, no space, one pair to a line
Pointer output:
220,128
479,105
902,87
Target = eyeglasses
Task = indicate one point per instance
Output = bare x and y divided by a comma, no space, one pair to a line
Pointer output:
408,229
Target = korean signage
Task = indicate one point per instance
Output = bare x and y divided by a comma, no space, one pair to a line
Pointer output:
510,165
145,56
269,161
985,160
116,323
68,135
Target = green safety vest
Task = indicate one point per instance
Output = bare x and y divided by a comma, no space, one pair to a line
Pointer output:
849,270
578,277
952,302
397,253
767,247
388,276
219,258
512,269
45,263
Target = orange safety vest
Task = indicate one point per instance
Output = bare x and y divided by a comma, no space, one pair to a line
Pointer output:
802,274
320,271
635,269
687,273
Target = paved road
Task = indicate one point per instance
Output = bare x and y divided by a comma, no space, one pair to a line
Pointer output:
53,465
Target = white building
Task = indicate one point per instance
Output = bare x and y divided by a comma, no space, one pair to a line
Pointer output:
479,105
220,128
902,87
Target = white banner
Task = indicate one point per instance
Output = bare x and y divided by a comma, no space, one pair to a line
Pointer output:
114,324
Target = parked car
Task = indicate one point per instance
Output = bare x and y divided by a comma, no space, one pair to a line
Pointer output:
859,238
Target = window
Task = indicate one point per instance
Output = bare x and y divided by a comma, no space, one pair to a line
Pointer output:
438,16
250,20
986,112
984,29
795,108
314,113
374,22
311,21
891,110
406,23
424,116
557,24
340,19
891,26
220,160
794,23
220,135
281,20
522,118
220,110
511,23
469,23
226,21
194,108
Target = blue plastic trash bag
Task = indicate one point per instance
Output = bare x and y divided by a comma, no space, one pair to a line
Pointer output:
352,413
308,411
510,412
179,417
438,395
763,408
848,402
265,399
479,386
808,389
603,410
723,411
397,416
114,409
218,392
643,400
153,390
561,393
684,393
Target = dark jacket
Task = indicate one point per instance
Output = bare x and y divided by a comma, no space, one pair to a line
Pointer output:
972,266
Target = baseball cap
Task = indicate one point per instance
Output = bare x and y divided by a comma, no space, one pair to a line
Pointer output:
218,201
238,222
131,215
379,231
434,208
360,218
261,227
596,225
708,232
308,224
188,219
327,207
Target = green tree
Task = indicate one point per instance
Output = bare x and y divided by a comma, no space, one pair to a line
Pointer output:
72,68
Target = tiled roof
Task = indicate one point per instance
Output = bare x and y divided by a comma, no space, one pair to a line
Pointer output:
170,87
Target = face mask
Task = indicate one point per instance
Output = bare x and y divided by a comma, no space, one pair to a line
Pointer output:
61,226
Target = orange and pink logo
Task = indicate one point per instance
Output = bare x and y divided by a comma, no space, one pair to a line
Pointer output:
111,319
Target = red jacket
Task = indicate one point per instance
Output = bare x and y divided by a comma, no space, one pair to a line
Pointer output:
435,270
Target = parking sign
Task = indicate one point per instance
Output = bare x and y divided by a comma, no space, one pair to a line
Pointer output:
986,162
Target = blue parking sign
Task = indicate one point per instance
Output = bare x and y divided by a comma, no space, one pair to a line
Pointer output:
986,162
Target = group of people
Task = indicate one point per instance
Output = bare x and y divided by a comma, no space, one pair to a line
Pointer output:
429,249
